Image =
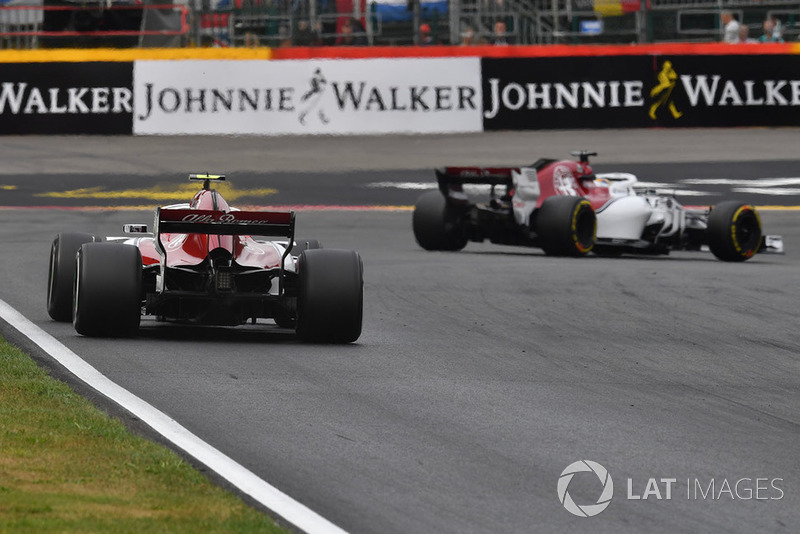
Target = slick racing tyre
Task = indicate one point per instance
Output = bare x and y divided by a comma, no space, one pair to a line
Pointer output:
733,231
62,273
436,225
331,296
566,226
108,290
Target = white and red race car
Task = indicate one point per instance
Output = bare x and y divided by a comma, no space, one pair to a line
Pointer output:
566,209
210,264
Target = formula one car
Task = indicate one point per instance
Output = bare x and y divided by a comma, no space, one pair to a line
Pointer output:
566,209
209,264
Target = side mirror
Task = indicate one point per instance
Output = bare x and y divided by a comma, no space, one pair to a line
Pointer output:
134,228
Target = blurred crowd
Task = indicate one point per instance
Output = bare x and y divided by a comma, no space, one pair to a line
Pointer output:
351,32
340,29
734,32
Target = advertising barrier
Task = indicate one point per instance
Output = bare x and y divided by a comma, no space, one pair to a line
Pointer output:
641,91
308,97
249,93
66,98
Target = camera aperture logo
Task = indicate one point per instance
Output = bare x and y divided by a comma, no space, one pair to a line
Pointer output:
699,489
585,510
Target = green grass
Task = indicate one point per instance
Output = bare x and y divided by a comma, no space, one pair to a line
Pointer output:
65,466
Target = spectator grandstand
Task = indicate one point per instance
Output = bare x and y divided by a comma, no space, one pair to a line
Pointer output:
277,23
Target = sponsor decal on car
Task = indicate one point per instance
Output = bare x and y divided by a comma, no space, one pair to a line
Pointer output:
564,182
239,217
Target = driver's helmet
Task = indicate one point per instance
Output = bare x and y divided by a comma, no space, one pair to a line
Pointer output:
584,172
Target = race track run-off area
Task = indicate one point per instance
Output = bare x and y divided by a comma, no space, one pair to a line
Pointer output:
494,389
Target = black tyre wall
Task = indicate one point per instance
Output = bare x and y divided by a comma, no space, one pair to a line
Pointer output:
108,290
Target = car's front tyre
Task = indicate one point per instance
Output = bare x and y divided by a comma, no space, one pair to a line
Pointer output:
733,231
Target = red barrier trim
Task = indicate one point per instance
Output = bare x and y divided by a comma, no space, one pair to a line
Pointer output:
341,52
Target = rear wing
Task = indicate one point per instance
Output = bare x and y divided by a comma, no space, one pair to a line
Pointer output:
452,179
259,223
254,223
473,175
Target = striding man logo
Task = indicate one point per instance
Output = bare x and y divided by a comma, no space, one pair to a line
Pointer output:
662,92
310,100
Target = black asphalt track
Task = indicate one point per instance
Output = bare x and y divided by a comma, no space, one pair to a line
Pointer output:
481,375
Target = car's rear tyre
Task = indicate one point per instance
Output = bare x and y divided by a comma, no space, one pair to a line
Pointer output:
733,231
436,225
108,290
566,226
331,296
61,277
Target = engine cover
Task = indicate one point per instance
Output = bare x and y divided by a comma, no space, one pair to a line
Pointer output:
623,218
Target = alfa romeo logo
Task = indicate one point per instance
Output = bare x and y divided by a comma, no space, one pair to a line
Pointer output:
586,510
564,182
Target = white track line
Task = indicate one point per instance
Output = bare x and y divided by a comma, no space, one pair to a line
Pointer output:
756,182
421,186
424,186
659,187
776,191
243,479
